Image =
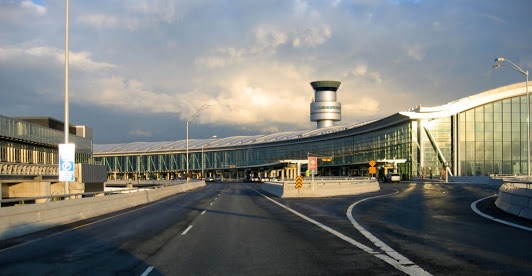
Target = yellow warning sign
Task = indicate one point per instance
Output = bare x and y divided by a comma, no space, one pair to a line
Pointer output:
372,169
299,182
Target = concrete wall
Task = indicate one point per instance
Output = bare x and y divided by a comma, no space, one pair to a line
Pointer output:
20,220
321,188
476,180
515,200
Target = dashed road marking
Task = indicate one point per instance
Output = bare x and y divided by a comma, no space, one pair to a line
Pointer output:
186,230
147,271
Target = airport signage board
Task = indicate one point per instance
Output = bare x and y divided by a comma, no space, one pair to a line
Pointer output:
67,153
313,164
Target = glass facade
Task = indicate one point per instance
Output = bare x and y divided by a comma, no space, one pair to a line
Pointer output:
434,145
350,152
493,138
23,142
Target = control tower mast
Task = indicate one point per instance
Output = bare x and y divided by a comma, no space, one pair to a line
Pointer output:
324,109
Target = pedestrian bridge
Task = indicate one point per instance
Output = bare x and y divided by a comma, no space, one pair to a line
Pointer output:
36,180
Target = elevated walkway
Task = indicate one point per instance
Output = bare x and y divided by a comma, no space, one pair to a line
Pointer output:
37,180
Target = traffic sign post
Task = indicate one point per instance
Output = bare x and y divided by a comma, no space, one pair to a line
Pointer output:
313,164
313,168
372,169
67,153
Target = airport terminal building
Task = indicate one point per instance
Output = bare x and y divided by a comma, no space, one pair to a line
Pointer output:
479,135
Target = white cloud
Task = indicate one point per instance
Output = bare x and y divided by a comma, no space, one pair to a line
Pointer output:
417,52
78,60
360,70
269,36
361,107
98,20
34,8
158,9
311,37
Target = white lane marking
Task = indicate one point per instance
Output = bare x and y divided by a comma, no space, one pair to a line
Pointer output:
186,230
476,210
94,222
203,212
408,269
147,271
211,203
400,262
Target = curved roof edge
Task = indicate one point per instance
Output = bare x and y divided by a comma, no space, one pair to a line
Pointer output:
467,103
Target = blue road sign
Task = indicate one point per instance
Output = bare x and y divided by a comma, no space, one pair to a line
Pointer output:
66,162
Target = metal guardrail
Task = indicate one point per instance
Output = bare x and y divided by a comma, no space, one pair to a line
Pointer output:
520,184
519,181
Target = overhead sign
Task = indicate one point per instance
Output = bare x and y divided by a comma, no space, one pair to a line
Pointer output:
67,153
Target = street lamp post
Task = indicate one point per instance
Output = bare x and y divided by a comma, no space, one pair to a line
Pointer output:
518,69
190,120
203,158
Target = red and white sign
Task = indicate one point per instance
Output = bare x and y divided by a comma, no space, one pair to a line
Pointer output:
313,163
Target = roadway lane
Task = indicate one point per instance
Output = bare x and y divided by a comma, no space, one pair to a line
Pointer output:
231,228
219,229
244,233
433,225
117,243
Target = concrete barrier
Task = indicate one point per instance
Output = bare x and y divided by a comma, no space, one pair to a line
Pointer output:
515,200
321,188
20,220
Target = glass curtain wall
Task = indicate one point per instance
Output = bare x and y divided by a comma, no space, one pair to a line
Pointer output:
493,138
352,152
436,135
38,143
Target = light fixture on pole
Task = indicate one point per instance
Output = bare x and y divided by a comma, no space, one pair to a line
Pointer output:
190,120
518,69
202,157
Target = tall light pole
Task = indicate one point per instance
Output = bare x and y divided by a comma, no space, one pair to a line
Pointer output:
190,120
518,69
203,159
67,122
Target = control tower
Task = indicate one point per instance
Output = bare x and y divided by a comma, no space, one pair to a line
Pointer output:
324,109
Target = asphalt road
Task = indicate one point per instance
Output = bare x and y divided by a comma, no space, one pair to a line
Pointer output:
236,229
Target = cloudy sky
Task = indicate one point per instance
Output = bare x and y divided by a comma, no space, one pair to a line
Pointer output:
139,69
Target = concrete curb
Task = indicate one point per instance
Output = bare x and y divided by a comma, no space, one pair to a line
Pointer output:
21,220
516,201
